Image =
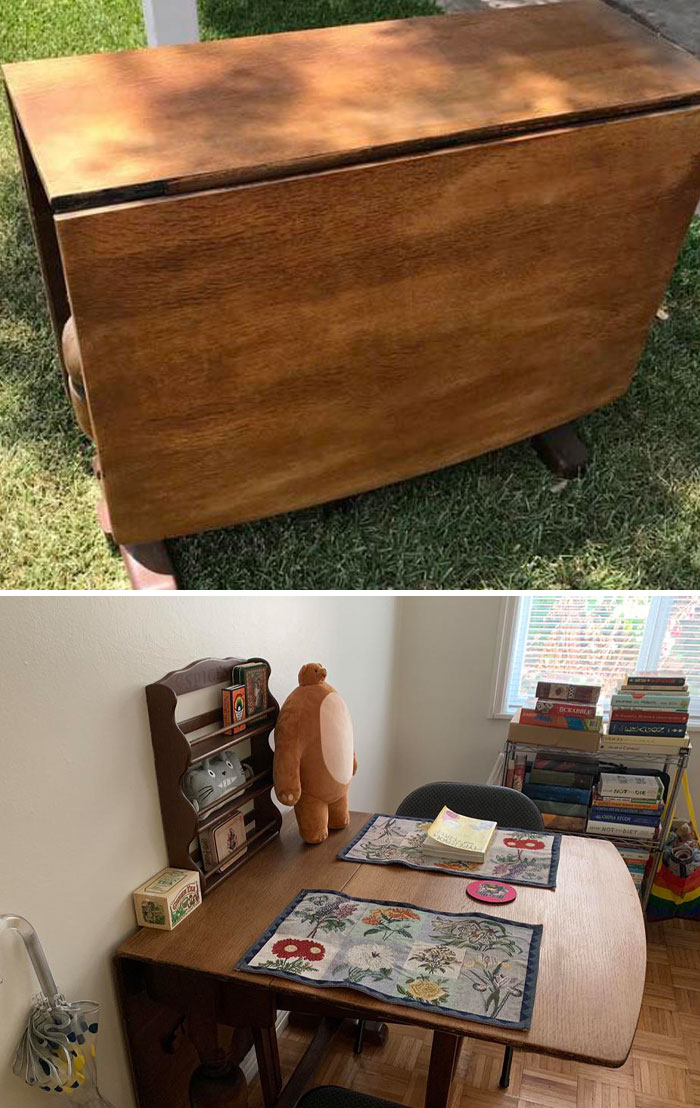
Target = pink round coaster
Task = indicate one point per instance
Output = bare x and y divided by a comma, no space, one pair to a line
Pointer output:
491,892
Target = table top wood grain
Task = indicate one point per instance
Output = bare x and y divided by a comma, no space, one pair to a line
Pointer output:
110,127
592,958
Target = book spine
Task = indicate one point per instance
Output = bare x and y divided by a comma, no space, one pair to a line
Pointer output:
554,777
611,815
626,830
509,772
519,772
557,792
647,715
227,710
554,690
571,762
631,792
627,805
563,708
655,679
650,700
665,730
573,723
560,809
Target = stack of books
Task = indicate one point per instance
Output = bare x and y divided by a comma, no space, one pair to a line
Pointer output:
636,858
452,836
564,715
627,805
648,714
561,785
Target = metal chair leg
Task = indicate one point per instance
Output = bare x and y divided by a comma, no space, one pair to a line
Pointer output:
359,1036
504,1079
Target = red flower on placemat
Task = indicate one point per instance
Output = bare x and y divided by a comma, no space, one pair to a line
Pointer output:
299,948
525,844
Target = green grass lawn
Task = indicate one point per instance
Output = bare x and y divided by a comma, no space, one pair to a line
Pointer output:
498,521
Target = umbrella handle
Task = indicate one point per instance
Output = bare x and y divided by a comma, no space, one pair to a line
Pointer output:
35,952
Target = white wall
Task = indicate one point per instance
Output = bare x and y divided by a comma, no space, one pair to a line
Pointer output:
446,647
79,816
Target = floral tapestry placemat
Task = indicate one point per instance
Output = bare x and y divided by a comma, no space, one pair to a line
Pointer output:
523,857
471,965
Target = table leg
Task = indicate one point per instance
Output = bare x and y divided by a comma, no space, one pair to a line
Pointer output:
443,1062
562,451
267,1054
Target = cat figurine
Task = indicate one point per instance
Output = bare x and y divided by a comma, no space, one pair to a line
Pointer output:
212,779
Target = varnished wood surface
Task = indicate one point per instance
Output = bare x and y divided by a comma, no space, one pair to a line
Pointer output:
592,956
151,121
255,350
662,1071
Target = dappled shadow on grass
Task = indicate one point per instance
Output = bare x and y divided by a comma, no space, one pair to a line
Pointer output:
232,18
502,521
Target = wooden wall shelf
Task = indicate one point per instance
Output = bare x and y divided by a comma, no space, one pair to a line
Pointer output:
175,753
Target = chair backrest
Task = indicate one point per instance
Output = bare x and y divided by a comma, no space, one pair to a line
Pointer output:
506,806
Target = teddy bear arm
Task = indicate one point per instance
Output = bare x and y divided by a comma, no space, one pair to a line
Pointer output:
286,765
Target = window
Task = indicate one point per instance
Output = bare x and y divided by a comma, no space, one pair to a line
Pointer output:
596,639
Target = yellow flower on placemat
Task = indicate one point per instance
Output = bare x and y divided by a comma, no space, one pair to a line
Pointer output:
429,991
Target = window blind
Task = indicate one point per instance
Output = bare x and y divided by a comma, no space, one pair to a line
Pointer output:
598,639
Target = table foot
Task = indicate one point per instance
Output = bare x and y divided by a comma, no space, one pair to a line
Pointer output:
149,567
504,1079
209,1089
562,451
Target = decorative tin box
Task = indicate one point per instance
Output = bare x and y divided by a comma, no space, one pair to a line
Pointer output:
165,899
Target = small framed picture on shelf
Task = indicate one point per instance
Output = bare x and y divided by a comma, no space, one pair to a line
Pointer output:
254,676
233,707
223,841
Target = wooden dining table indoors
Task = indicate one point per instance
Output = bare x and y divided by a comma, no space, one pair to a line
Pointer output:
589,988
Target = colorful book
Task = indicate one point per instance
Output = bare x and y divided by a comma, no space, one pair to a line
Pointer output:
626,805
624,830
233,709
509,773
575,723
556,690
559,809
630,785
519,772
565,708
452,835
650,700
617,745
557,792
664,677
636,727
554,822
666,690
615,815
570,778
647,715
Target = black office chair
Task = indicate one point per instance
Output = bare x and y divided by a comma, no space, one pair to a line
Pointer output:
507,807
332,1096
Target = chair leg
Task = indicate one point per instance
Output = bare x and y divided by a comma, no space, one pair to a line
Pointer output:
359,1036
504,1079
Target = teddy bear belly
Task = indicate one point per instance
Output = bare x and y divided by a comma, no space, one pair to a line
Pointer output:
336,738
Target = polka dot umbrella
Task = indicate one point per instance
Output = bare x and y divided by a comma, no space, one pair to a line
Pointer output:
57,1050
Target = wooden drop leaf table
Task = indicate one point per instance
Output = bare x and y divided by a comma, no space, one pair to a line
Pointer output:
291,268
589,987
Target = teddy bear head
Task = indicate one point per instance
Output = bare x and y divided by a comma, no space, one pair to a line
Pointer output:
312,674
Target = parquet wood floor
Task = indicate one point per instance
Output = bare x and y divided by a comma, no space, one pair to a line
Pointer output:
662,1071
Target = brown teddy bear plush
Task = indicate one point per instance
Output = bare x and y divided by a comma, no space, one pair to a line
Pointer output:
314,755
